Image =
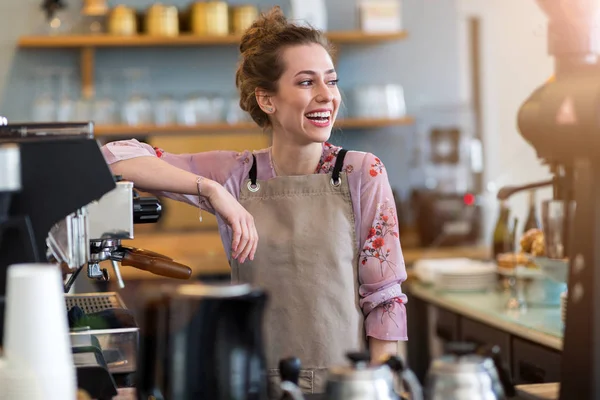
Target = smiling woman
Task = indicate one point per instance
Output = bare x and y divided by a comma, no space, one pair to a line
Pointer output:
313,224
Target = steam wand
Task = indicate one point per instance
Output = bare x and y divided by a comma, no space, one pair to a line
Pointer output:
507,191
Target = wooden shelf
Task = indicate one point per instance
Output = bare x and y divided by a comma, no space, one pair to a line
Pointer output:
358,123
157,130
87,45
79,41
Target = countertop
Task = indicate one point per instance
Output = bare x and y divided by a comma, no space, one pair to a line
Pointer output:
539,325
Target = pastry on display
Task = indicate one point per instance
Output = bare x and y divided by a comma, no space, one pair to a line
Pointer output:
512,260
531,237
538,248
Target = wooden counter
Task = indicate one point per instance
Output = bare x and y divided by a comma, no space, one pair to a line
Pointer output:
203,252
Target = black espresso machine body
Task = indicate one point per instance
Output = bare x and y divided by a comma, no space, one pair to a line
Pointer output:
200,341
50,188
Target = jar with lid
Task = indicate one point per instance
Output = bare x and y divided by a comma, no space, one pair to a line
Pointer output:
162,20
122,21
209,18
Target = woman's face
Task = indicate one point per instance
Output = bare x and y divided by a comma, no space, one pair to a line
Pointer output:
307,98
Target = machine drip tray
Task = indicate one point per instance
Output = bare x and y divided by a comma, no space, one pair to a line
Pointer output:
112,329
94,302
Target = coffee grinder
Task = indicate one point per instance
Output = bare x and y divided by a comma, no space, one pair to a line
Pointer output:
560,120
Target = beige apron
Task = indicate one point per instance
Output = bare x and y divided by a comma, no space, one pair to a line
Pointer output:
307,261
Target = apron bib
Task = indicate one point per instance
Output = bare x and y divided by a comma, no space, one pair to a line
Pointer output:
307,261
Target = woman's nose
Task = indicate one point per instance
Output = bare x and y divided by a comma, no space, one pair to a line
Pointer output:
324,94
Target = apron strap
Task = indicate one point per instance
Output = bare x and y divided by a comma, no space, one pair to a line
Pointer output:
335,177
339,164
253,171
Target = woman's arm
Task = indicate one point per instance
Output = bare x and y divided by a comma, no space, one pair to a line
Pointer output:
166,174
153,174
381,265
177,176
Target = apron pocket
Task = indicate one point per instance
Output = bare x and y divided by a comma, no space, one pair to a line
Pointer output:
306,382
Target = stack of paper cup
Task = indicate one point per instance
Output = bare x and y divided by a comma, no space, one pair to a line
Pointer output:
36,331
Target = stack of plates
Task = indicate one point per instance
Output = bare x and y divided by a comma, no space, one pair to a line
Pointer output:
470,277
563,307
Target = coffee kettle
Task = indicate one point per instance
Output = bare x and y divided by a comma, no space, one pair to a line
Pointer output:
358,381
202,341
468,372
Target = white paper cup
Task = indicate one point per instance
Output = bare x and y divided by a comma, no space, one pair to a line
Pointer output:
36,336
18,383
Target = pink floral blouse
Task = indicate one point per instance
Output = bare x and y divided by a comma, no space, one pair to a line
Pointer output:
381,264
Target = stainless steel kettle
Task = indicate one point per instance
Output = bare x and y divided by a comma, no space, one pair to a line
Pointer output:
468,372
358,381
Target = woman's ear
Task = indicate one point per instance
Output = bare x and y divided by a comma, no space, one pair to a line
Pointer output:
263,98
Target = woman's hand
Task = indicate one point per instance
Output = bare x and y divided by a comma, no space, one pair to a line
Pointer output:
245,237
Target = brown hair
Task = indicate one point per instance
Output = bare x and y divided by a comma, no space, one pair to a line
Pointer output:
261,65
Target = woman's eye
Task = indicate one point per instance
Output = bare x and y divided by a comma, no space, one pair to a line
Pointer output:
310,82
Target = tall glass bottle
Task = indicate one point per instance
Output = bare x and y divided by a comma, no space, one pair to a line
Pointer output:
503,238
532,221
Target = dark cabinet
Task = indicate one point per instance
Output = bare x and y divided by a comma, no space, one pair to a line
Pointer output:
481,334
532,363
447,325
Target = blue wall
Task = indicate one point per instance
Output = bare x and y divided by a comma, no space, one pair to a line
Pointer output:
426,64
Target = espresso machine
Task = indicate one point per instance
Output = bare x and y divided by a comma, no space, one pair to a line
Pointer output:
560,120
59,203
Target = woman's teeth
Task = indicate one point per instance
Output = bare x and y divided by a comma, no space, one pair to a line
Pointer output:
319,116
321,119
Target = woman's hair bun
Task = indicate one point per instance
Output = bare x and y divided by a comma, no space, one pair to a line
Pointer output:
265,26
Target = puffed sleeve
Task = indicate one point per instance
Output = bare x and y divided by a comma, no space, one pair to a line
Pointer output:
215,165
381,267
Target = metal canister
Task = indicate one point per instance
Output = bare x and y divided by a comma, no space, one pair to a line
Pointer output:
122,21
162,20
94,8
210,18
242,17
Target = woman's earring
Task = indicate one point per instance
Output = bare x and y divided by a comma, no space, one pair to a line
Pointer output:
270,109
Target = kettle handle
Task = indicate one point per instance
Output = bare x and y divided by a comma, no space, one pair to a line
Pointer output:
503,372
407,377
289,369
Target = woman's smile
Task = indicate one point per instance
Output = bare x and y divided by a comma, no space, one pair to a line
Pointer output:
320,118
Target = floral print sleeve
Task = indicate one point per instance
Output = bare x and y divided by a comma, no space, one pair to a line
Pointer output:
381,267
215,165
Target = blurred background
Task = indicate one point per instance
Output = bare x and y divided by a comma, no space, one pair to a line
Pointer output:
431,87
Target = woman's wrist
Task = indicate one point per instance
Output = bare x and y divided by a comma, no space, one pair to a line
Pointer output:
382,349
207,187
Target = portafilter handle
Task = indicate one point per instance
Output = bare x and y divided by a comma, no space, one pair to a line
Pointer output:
152,262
